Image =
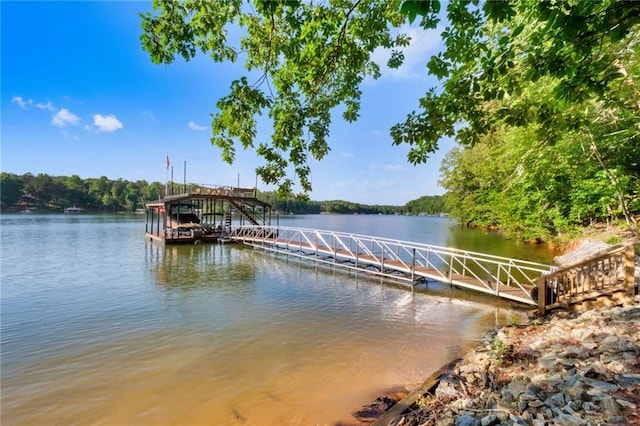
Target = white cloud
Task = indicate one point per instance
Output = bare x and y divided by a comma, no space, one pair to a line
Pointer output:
22,102
374,165
64,117
346,155
107,123
192,125
46,106
393,167
423,44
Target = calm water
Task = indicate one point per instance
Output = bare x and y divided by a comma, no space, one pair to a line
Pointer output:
100,327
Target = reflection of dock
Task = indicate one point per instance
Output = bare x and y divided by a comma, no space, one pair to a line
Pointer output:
204,215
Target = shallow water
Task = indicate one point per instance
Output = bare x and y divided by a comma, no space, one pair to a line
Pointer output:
101,327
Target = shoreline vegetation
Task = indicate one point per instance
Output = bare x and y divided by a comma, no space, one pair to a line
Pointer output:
567,368
44,193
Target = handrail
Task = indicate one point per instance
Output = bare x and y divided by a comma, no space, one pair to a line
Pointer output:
601,274
490,271
211,189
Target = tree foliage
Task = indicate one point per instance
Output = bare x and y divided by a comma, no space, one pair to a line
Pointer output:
304,59
561,75
542,95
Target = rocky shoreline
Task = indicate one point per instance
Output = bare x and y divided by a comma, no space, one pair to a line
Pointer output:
565,369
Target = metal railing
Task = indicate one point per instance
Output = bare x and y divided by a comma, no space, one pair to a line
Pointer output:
208,189
600,275
489,272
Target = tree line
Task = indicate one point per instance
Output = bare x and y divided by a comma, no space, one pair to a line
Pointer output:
55,193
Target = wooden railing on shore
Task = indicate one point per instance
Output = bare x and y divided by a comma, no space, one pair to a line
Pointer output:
602,275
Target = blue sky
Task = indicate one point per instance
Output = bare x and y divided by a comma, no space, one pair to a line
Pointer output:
80,96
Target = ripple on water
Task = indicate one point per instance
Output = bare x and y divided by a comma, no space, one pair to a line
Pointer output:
99,326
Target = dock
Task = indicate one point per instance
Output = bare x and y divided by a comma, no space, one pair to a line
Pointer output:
409,262
204,214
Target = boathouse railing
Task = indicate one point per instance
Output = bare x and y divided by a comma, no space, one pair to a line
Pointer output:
208,189
604,274
413,260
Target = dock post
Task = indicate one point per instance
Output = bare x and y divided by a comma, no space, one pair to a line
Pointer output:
413,264
542,296
629,271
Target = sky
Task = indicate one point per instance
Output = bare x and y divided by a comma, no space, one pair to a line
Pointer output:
81,97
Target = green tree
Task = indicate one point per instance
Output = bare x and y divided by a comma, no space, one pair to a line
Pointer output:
310,57
11,189
584,55
429,204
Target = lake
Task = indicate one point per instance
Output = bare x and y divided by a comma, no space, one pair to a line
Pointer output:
101,327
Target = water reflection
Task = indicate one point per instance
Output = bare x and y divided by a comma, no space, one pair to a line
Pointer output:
196,266
495,243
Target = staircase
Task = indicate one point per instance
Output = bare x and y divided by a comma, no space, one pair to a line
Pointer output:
605,278
243,211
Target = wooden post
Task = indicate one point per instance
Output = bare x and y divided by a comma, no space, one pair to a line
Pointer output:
413,265
542,296
629,271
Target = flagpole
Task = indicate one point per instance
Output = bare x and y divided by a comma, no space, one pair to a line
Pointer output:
166,178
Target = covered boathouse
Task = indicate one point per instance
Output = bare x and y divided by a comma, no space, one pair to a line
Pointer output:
204,214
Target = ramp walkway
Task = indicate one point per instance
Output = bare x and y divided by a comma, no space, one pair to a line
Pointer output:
409,262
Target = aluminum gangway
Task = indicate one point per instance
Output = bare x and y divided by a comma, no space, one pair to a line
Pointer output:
411,262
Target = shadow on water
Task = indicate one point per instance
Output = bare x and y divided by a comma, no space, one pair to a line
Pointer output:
436,291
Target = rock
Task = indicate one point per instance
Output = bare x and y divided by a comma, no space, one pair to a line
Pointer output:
601,385
610,407
528,396
573,387
548,362
565,371
466,420
555,400
536,403
568,420
445,421
585,249
517,419
448,387
626,404
628,379
489,420
374,410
